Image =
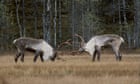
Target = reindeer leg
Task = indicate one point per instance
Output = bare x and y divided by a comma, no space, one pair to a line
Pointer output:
37,53
117,54
98,52
94,55
98,49
41,57
22,57
17,56
119,57
22,54
19,53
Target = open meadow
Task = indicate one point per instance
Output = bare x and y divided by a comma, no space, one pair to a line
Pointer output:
78,69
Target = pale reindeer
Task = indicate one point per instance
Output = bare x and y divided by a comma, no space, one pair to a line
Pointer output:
39,46
93,46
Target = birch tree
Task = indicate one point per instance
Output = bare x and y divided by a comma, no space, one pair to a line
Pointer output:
23,19
17,17
72,24
59,22
46,20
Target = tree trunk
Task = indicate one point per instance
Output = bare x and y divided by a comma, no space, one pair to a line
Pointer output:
124,12
113,11
54,20
72,24
46,20
23,19
59,23
18,19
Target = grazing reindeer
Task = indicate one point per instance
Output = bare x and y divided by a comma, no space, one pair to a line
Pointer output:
39,46
93,46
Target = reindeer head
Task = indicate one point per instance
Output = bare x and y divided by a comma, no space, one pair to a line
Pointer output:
54,56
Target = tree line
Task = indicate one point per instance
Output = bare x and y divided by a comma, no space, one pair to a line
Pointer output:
58,20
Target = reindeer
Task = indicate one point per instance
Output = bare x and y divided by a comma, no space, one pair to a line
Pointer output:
93,46
39,46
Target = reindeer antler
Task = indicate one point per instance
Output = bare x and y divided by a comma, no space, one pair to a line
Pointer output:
67,42
81,38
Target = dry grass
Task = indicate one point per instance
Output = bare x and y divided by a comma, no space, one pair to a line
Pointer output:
75,70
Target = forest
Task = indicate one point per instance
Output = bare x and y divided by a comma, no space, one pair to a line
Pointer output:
58,20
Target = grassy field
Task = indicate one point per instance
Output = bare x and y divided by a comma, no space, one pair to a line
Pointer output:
74,70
